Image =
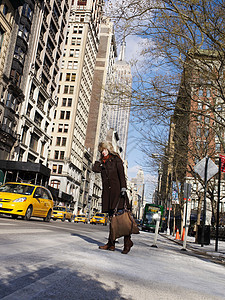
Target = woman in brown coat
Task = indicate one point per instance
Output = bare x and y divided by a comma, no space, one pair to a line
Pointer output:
113,188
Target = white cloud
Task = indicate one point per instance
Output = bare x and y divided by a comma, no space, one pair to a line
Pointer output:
134,45
132,172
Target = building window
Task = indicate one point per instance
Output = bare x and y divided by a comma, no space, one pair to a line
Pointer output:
23,32
15,77
54,169
34,141
200,92
208,93
69,102
60,128
70,76
66,127
199,105
27,12
1,38
198,144
5,9
71,90
62,154
24,134
55,184
67,115
217,147
42,148
206,132
19,54
82,2
207,120
64,100
198,132
60,169
71,53
62,114
29,108
66,89
63,141
56,155
58,141
77,51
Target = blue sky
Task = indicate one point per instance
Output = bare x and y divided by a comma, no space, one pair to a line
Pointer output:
134,154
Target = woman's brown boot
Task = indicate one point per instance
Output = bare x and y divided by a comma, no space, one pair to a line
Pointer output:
127,244
109,246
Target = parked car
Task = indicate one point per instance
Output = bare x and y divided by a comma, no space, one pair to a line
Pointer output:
81,218
26,200
62,212
99,218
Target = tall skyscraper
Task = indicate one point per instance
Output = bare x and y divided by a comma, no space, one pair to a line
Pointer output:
69,159
29,86
120,99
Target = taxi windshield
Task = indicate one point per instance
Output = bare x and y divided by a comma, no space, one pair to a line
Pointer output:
17,189
59,208
99,215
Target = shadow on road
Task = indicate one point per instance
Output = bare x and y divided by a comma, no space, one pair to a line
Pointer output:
87,239
57,283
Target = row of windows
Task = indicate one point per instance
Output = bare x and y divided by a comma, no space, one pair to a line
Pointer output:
57,169
75,41
59,154
68,89
72,53
204,144
63,128
201,93
72,65
60,141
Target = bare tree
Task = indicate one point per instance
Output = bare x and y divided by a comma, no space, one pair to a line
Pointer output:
182,56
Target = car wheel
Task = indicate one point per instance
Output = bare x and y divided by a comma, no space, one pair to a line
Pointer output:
70,220
48,217
28,213
14,216
64,218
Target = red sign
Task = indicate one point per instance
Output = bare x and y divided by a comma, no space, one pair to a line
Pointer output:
222,163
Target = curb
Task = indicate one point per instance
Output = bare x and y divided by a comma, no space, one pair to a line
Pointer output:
216,257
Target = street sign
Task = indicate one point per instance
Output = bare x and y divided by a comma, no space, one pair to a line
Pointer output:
175,192
222,163
211,170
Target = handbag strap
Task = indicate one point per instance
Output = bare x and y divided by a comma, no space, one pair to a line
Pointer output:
125,204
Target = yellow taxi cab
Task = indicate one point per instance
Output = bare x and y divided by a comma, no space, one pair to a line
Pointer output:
99,218
26,200
81,218
62,212
69,214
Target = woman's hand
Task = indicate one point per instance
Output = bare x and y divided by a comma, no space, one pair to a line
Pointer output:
123,192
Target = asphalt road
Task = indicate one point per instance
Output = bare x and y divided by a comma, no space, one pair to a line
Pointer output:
59,260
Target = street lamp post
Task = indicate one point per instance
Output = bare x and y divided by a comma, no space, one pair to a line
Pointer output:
160,173
168,221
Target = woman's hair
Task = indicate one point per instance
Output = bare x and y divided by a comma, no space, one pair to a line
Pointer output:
107,145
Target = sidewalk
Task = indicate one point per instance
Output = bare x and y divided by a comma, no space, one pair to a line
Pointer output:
206,250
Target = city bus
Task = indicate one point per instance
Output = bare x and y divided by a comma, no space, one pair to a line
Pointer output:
148,220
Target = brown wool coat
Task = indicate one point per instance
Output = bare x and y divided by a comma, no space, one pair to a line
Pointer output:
113,179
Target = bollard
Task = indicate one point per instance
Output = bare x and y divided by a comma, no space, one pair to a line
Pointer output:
157,217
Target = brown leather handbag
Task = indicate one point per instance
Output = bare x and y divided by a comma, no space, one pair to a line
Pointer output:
122,223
